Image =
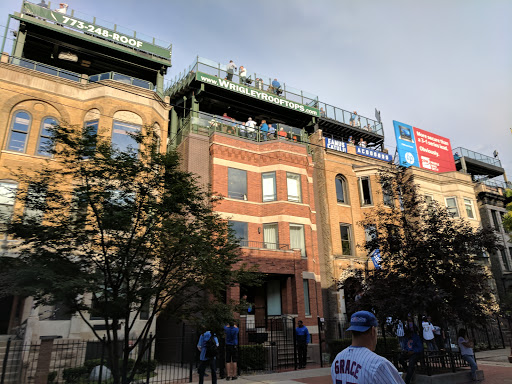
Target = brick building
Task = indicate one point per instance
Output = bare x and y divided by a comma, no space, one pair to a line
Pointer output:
60,73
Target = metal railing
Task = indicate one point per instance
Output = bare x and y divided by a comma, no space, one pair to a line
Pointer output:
107,24
45,68
257,80
122,79
495,184
208,125
264,245
463,152
350,118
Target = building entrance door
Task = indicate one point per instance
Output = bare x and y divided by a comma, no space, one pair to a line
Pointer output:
274,298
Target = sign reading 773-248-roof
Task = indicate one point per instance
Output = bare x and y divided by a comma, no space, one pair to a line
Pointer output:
257,94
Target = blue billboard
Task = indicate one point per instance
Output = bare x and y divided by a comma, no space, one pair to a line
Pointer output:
406,144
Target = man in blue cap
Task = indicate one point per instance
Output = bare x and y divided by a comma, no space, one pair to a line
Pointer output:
358,363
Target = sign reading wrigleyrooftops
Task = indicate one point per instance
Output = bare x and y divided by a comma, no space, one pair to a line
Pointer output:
258,94
341,146
93,29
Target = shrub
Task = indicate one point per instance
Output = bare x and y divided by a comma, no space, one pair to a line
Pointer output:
251,357
144,364
73,375
51,377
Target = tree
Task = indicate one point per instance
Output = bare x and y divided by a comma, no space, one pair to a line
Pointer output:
429,258
115,234
507,220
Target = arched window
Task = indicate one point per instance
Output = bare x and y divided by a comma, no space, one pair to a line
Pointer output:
126,124
20,127
45,136
341,189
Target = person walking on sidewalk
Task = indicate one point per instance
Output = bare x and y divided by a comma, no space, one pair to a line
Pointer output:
231,351
208,345
411,353
303,338
358,363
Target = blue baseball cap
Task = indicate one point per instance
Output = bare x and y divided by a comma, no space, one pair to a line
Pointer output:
362,321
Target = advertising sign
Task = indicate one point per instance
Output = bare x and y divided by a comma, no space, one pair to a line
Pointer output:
373,154
337,145
257,94
423,149
93,29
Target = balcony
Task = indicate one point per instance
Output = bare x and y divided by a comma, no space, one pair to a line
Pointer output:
477,164
256,80
264,245
122,79
207,125
348,118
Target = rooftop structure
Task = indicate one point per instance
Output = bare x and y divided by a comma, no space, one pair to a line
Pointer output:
76,46
476,163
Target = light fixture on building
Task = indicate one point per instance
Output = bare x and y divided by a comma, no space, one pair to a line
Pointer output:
68,56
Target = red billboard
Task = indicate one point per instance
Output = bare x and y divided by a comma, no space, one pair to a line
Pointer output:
434,152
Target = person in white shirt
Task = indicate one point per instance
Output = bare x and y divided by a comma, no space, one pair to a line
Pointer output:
231,70
358,364
428,333
63,8
466,351
250,125
243,74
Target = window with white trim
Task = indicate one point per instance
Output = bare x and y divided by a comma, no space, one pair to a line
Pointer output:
341,189
297,239
451,206
237,184
346,239
468,204
20,127
268,182
365,191
271,235
293,187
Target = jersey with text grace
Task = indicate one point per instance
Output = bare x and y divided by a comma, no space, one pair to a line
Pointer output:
359,365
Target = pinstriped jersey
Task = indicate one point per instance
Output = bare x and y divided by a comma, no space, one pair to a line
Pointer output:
359,365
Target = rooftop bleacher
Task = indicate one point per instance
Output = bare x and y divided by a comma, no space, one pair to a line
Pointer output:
463,152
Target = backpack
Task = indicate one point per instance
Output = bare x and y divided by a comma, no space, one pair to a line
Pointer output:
211,348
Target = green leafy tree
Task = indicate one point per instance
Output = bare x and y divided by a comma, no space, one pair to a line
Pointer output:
114,234
429,258
507,220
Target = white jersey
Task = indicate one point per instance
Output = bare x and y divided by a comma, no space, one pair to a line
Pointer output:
359,365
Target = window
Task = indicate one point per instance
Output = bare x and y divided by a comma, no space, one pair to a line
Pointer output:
495,220
341,189
20,127
504,257
45,137
7,199
122,136
268,181
35,203
271,236
387,195
240,231
365,191
90,138
469,208
293,186
346,246
451,206
118,209
237,184
297,240
307,307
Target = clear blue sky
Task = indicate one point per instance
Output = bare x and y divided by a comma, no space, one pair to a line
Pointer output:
442,66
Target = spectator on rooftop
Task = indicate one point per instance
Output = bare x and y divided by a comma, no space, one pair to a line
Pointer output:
362,143
322,112
271,132
243,74
276,87
350,140
258,84
263,130
43,4
359,122
282,133
250,128
63,8
353,118
231,70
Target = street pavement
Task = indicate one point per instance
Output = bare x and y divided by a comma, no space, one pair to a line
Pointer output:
497,370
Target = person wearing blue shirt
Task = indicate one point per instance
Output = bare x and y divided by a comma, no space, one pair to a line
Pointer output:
205,361
276,87
231,351
302,338
263,130
413,348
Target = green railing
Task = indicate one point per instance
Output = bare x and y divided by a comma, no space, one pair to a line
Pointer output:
253,79
207,125
122,79
45,68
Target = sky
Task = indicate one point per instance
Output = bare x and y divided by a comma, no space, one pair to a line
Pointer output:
444,66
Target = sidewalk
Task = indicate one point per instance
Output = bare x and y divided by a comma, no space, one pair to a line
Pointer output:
497,370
